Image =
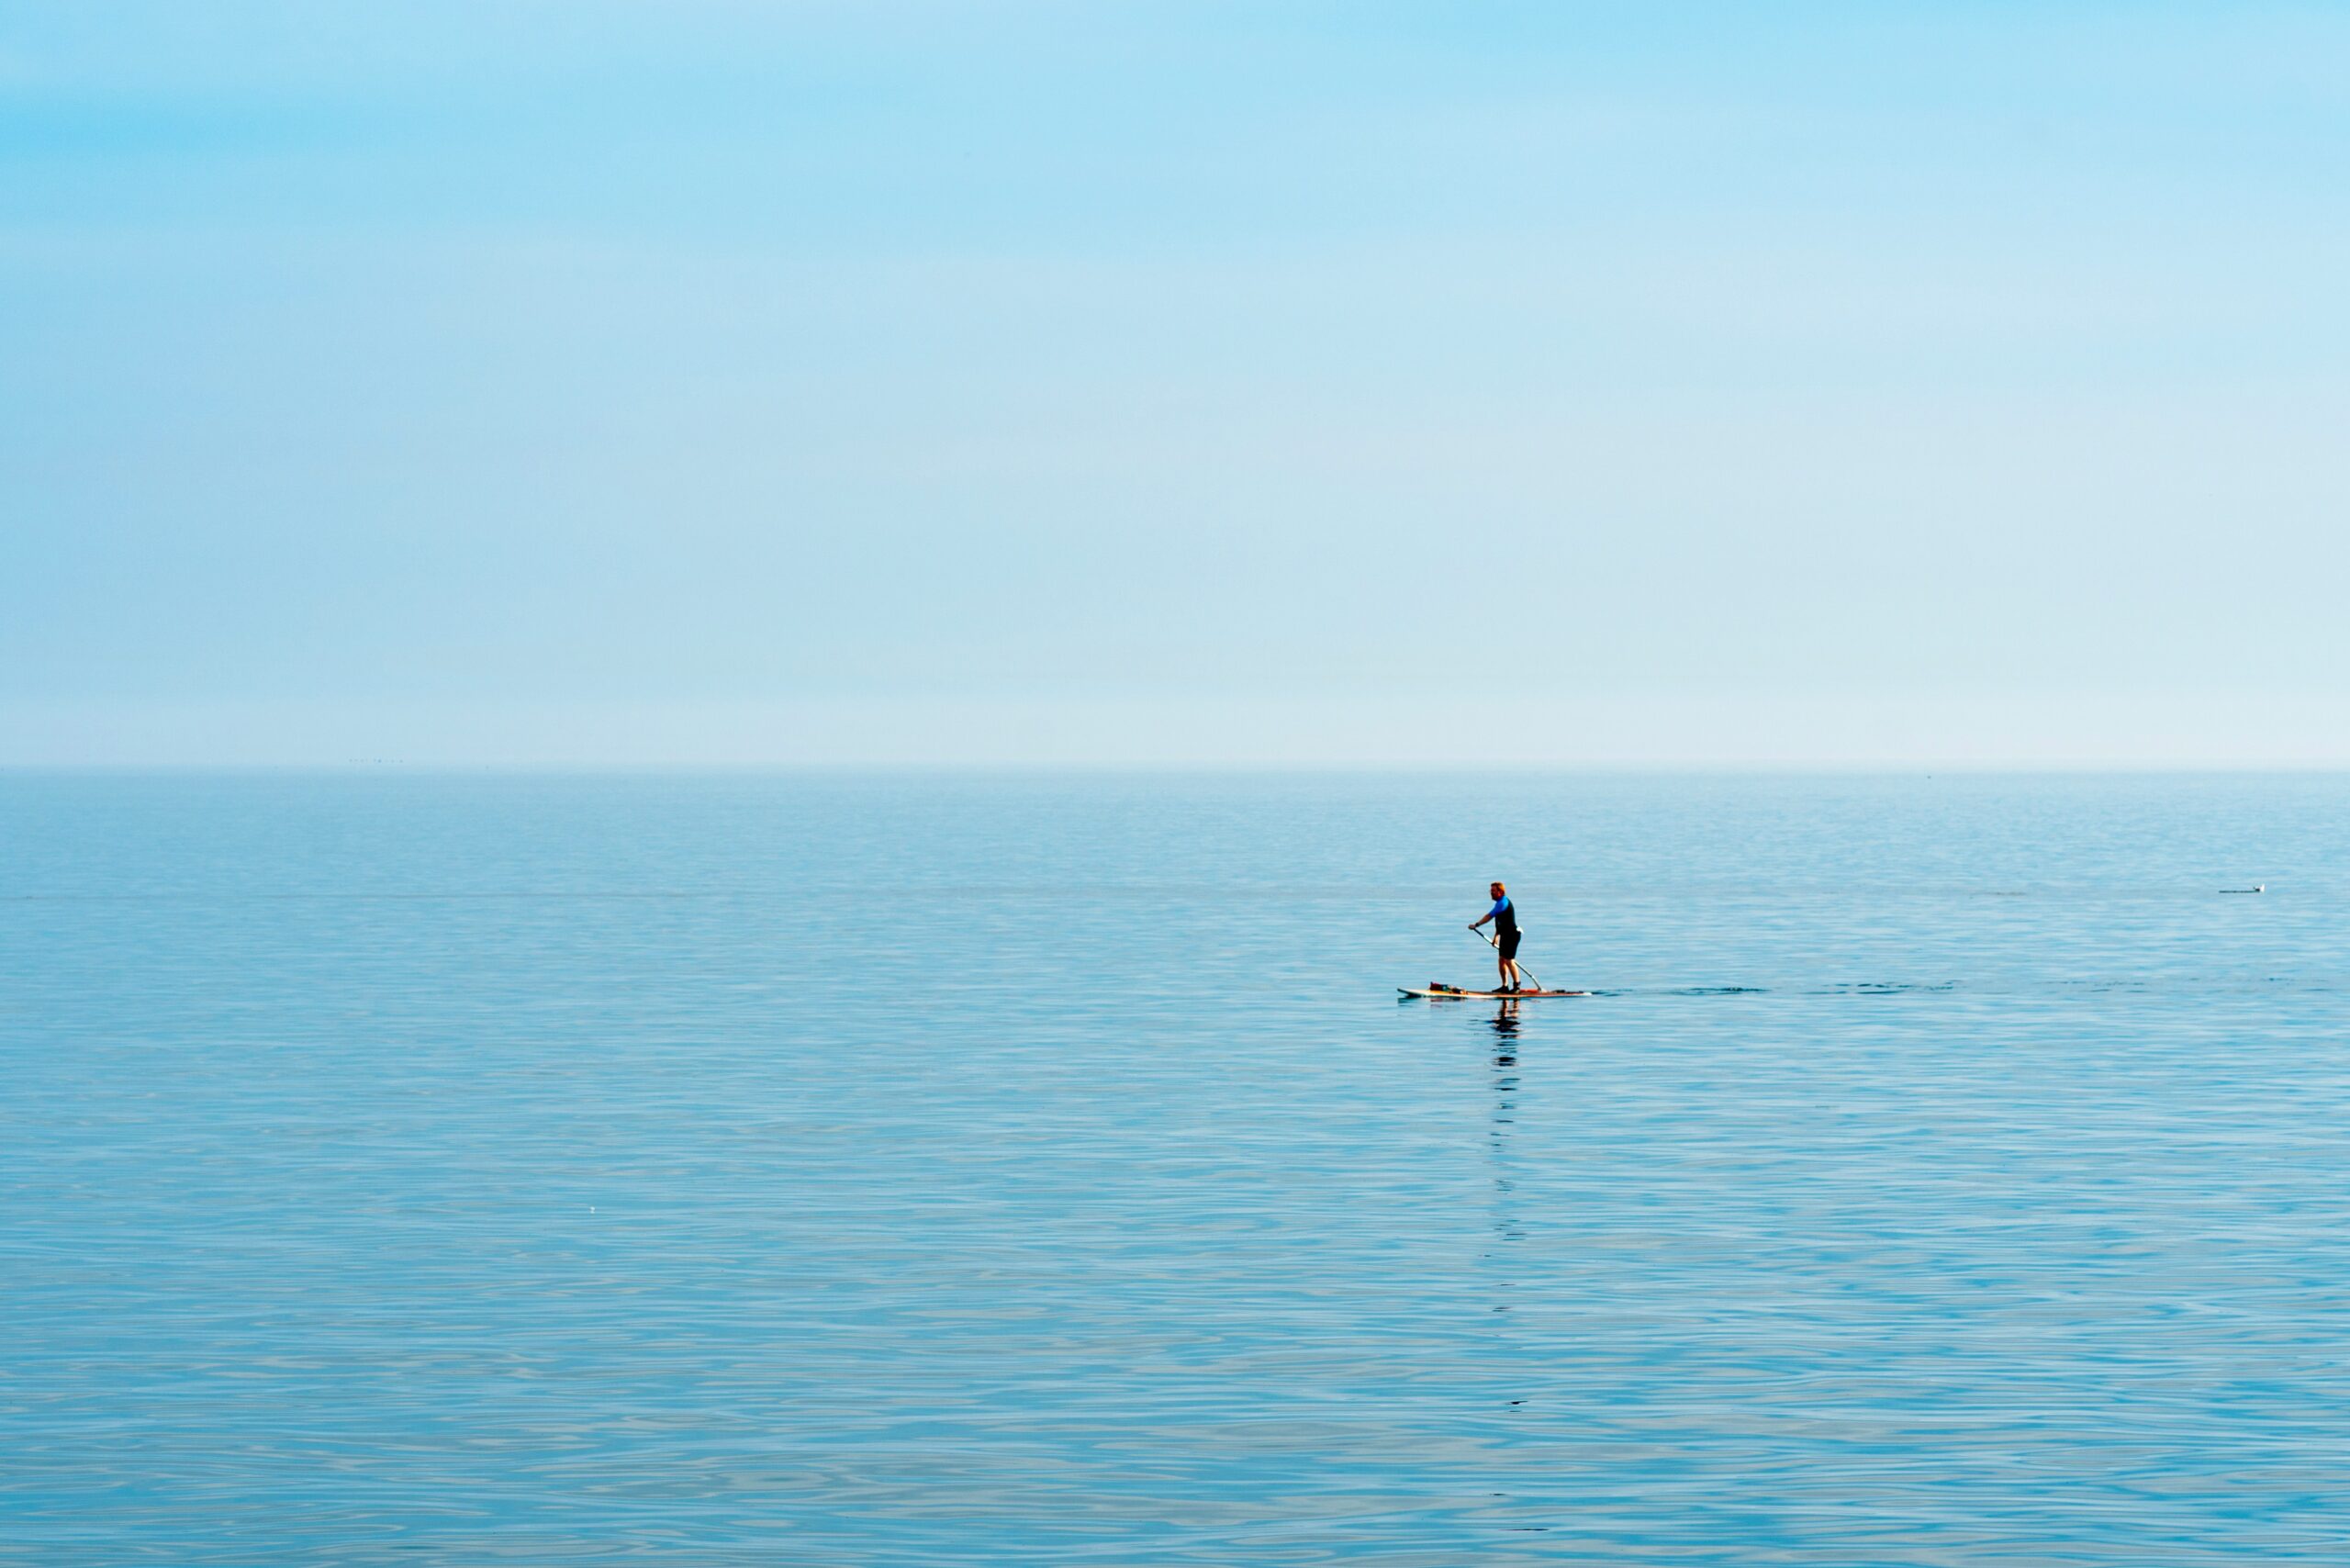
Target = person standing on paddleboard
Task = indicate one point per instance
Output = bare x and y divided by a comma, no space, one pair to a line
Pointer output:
1504,914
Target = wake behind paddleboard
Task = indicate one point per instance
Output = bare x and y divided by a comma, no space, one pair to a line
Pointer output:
1454,990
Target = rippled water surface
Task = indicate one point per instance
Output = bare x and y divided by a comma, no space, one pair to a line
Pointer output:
914,1171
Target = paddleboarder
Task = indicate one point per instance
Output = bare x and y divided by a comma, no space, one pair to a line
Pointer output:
1504,914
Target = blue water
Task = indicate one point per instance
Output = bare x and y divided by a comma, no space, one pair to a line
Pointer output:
476,1169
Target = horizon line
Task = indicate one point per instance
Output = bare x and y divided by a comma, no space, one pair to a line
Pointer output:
1853,768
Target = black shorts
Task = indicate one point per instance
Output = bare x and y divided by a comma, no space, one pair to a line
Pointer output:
1509,943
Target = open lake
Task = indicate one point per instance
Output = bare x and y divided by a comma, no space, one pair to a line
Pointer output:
482,1168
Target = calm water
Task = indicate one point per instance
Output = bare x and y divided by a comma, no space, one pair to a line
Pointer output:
476,1169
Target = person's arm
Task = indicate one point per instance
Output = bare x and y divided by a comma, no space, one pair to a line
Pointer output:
1487,917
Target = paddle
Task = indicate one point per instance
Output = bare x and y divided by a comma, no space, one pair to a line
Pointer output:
1495,943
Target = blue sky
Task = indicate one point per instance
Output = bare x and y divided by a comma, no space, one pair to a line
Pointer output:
541,383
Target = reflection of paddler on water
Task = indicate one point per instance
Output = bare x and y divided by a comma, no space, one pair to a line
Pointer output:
1515,982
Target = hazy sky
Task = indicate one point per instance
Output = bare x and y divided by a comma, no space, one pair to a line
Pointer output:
1192,382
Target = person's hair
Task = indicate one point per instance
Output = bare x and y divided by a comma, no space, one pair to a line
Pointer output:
1502,886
